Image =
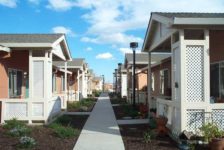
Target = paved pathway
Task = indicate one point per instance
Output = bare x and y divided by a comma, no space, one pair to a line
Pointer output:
101,131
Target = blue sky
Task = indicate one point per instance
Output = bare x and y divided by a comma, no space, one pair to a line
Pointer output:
98,30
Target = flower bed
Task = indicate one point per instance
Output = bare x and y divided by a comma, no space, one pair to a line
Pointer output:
46,137
136,137
84,105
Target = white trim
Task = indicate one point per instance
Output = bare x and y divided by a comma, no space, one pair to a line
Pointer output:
30,45
198,21
6,49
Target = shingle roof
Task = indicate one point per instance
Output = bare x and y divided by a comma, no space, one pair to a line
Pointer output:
143,57
190,15
139,57
76,62
29,38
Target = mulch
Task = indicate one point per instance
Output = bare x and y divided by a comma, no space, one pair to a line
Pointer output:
132,136
44,136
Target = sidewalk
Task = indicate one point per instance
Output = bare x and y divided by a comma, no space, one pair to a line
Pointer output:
101,131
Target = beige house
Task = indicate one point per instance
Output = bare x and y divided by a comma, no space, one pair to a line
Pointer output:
192,77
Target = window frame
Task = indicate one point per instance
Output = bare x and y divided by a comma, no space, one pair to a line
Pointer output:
9,77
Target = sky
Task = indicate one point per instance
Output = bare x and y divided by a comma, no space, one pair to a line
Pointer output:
98,30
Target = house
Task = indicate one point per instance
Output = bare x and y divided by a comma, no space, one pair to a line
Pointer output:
141,71
77,87
97,83
194,70
26,75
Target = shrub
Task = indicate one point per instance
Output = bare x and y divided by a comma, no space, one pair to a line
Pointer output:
27,142
63,132
13,123
149,135
19,131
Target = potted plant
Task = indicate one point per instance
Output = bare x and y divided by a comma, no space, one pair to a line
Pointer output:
213,135
161,122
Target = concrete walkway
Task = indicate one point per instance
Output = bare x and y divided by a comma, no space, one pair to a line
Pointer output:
101,131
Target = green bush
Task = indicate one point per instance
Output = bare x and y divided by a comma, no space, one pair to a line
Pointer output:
87,102
63,132
27,142
149,135
13,123
19,131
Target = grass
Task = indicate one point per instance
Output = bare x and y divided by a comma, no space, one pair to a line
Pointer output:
13,123
63,132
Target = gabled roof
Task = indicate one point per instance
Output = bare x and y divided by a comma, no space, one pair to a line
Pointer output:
78,62
75,63
37,41
176,20
29,38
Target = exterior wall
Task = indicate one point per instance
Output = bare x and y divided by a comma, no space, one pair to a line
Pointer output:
18,60
166,64
216,45
142,81
59,82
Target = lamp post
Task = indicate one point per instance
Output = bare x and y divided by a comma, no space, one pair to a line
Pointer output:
133,46
116,81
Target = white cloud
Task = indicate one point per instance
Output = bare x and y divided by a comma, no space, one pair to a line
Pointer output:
106,55
89,49
113,38
61,5
61,29
9,3
36,2
128,50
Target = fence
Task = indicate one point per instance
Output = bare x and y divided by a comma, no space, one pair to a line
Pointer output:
30,110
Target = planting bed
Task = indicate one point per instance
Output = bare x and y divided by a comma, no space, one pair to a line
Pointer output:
85,105
132,136
45,136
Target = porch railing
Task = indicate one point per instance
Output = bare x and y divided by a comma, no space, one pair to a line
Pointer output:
30,110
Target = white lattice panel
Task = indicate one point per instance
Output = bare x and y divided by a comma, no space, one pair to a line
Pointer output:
38,109
16,110
195,119
195,73
218,117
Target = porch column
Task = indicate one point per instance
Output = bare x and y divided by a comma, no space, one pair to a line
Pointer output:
127,84
30,75
66,77
149,81
83,83
78,86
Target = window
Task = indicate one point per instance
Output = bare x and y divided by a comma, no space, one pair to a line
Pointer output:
15,83
54,83
194,34
217,81
164,81
62,83
153,82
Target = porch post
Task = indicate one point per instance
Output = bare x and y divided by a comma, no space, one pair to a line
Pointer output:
83,83
30,75
149,81
66,90
127,83
78,86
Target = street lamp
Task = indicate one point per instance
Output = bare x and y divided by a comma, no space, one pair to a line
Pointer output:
133,46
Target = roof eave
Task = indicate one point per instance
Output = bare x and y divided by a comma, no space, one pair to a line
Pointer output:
198,21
